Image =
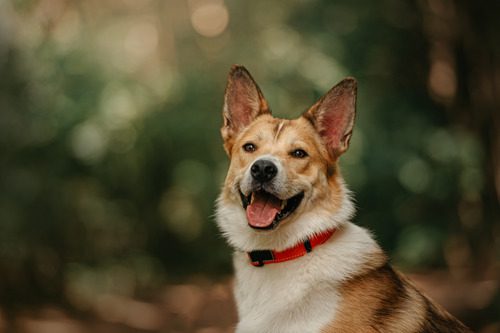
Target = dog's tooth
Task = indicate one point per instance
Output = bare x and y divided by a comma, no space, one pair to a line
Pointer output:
283,203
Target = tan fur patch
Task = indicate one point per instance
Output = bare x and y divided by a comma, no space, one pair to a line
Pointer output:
382,300
378,301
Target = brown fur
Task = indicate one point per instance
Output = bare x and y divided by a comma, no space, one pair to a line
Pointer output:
382,300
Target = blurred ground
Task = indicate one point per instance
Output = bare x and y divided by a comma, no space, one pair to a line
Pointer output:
195,306
202,306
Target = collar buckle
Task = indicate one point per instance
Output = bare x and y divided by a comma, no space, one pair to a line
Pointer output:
259,257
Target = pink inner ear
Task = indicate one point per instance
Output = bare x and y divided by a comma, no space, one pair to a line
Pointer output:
336,117
243,100
333,125
243,104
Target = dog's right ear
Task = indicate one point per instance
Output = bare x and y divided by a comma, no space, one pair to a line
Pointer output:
243,102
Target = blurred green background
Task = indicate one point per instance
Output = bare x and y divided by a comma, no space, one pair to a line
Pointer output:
110,155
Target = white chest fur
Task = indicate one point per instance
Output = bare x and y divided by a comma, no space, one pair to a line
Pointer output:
299,295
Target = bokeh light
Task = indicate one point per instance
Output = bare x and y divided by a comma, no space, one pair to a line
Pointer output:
209,18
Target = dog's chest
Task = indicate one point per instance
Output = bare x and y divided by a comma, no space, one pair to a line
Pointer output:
282,298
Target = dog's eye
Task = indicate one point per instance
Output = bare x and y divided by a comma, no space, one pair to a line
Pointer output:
299,153
249,147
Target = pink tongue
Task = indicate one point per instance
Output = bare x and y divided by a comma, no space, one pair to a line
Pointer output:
262,211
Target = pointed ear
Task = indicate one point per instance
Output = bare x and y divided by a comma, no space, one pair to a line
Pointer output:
243,102
333,116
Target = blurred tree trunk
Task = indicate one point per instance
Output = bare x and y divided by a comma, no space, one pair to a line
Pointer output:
464,77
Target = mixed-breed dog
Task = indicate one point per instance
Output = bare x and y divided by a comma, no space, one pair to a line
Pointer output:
300,264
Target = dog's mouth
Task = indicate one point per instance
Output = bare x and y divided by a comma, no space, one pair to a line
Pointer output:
265,211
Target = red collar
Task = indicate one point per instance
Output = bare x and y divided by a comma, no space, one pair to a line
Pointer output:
261,257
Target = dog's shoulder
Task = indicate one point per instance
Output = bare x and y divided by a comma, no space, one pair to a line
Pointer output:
383,300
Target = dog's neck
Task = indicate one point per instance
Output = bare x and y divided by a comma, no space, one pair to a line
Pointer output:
268,295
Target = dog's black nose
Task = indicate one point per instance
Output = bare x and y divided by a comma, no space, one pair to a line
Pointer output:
263,170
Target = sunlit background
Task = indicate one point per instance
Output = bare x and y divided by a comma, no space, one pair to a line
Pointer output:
110,156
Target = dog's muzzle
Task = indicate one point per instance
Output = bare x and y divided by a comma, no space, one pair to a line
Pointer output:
262,194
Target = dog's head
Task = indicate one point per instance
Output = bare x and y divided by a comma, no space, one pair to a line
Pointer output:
283,182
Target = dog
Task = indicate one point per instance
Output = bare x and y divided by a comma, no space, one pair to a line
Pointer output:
300,264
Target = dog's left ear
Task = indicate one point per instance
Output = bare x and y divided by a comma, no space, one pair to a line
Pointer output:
333,116
243,102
